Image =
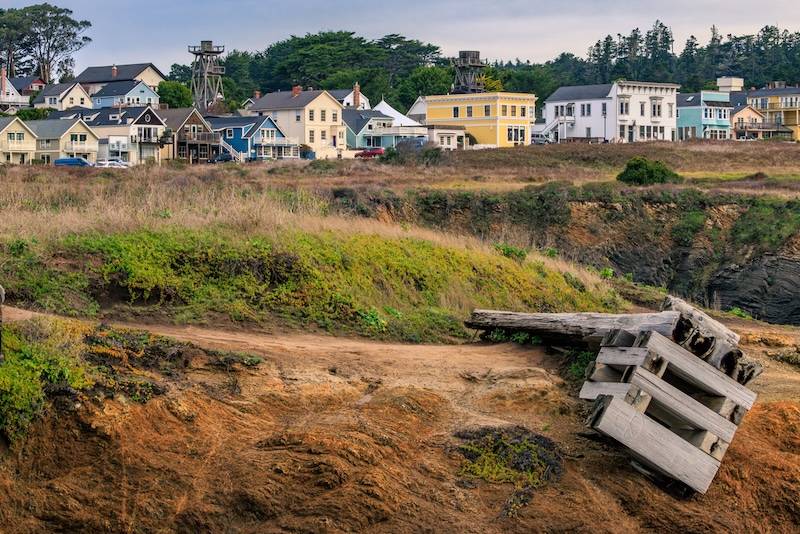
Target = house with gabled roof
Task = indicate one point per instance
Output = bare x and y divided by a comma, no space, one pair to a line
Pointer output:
17,141
27,85
351,97
254,138
10,97
371,127
95,78
62,96
704,115
314,118
70,138
780,104
127,93
191,137
134,134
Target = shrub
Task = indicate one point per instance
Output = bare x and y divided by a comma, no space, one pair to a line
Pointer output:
510,251
641,171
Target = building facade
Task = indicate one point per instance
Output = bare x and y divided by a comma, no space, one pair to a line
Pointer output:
704,115
779,104
69,138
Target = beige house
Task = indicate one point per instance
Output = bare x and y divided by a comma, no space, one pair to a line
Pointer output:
17,141
313,117
747,122
69,138
63,96
95,78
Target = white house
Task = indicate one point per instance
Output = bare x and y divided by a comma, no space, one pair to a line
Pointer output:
618,112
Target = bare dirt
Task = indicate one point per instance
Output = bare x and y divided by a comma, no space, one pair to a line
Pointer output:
345,435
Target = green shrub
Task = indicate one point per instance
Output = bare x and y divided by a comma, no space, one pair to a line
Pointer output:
511,252
641,171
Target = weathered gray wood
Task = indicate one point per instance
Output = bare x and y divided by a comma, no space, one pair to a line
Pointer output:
591,390
659,448
697,373
597,372
681,406
586,327
622,356
705,441
617,337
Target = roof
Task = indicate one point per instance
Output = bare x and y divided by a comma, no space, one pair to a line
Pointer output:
124,72
285,100
399,118
102,116
250,125
175,118
116,89
55,89
774,92
48,129
21,83
357,119
6,121
581,92
738,98
340,94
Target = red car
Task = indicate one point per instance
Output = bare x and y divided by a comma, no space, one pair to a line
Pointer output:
371,152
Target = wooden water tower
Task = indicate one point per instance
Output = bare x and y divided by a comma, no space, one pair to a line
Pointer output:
468,72
207,74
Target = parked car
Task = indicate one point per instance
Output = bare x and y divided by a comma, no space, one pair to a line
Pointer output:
371,152
72,162
111,164
540,139
412,143
221,158
121,162
746,138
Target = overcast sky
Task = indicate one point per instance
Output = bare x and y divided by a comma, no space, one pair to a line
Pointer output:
129,32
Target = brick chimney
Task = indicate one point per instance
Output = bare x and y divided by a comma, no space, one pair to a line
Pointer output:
256,95
296,90
114,71
356,95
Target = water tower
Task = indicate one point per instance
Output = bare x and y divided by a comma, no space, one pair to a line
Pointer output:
468,73
207,74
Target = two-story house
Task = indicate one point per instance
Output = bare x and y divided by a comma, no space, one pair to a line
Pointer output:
17,141
496,119
69,138
779,104
190,136
379,127
27,85
95,78
10,98
129,93
62,96
706,115
254,138
618,112
314,118
351,97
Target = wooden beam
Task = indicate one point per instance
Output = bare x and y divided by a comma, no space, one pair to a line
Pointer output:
659,448
591,390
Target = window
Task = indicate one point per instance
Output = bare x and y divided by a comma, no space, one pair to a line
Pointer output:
335,116
455,112
54,100
82,100
641,109
669,110
71,101
297,115
203,152
82,138
604,109
322,115
20,136
97,101
588,132
11,136
323,136
624,107
182,151
532,111
622,131
513,111
45,158
641,132
469,111
487,110
656,109
229,133
73,137
311,136
516,134
522,111
504,110
586,110
44,143
310,115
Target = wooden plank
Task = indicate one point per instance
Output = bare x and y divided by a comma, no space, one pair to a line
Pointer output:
681,406
623,356
617,337
705,441
696,372
597,372
659,448
592,390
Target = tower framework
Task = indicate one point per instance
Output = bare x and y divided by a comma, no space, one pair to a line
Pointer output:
468,72
207,74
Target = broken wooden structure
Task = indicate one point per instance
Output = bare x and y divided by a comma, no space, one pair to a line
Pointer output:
669,386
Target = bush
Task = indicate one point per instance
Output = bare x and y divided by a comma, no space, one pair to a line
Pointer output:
641,171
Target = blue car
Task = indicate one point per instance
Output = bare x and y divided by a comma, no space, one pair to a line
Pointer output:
72,162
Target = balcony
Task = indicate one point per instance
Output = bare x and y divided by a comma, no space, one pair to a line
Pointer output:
198,137
761,126
80,146
145,139
782,106
402,131
7,145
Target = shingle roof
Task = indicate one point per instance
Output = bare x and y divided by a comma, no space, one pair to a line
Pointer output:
357,119
116,89
340,94
580,92
5,121
55,89
21,83
249,124
775,92
739,98
124,72
175,118
284,100
47,129
101,116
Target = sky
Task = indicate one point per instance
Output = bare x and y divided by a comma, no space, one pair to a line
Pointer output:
128,32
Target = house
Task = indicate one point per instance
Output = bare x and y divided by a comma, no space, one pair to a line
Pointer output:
95,78
706,115
27,85
134,134
70,138
62,96
192,138
778,104
494,119
129,93
448,137
254,138
624,111
419,110
17,141
10,97
748,123
313,117
351,97
364,128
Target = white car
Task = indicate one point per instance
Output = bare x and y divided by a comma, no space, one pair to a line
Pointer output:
121,162
111,164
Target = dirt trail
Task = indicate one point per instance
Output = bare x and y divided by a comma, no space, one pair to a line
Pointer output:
346,435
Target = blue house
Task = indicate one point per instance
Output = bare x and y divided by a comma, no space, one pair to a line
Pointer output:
706,115
125,93
373,127
254,138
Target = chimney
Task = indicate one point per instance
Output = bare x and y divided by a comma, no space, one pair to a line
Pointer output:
356,95
310,88
296,90
256,95
114,71
2,81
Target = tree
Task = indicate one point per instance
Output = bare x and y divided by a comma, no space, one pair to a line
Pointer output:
14,26
175,94
180,73
53,37
425,81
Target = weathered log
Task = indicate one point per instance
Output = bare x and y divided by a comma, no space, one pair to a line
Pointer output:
574,328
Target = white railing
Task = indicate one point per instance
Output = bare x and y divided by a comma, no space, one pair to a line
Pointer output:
412,131
7,145
279,141
235,153
78,146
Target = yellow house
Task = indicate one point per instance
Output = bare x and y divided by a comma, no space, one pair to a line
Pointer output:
65,138
779,104
17,141
63,96
493,119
